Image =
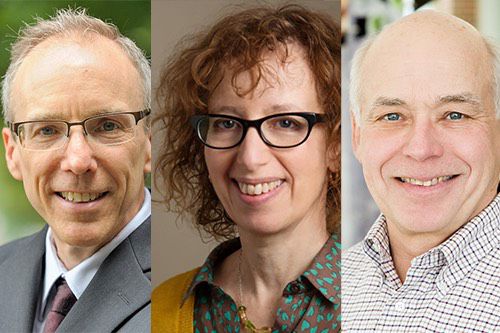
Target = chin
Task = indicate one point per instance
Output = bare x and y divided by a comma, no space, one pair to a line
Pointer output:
263,226
78,235
427,223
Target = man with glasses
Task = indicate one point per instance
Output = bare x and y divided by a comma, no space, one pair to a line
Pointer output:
426,129
76,101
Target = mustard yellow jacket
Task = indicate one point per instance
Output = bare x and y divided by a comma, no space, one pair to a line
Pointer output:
167,315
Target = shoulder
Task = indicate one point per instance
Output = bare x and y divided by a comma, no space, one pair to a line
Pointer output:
12,248
353,258
170,312
174,289
140,240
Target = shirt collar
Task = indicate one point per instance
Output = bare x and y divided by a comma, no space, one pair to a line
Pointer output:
376,242
206,272
325,270
80,276
470,244
483,230
321,273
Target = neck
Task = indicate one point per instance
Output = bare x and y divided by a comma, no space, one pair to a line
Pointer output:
406,246
267,264
72,256
272,262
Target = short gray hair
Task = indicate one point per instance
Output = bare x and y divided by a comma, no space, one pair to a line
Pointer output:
356,76
67,22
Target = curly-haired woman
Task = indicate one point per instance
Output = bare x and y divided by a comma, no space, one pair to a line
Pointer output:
251,109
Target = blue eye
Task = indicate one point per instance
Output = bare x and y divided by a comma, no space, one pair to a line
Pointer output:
109,126
47,131
392,117
455,116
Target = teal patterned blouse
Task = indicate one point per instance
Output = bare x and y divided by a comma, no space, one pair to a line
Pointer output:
311,303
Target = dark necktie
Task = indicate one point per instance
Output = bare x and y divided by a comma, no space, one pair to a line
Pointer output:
63,302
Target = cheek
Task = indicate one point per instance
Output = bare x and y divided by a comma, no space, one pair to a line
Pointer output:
477,149
377,148
217,163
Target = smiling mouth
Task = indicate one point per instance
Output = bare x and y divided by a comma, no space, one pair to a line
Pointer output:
425,183
80,197
259,188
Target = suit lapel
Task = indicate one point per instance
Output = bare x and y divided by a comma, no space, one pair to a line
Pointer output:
20,283
119,289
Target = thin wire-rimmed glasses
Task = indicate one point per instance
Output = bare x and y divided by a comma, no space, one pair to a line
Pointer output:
282,130
107,129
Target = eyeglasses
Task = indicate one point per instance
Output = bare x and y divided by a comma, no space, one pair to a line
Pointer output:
108,129
283,130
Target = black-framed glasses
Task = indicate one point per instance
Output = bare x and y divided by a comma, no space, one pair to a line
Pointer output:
282,130
107,129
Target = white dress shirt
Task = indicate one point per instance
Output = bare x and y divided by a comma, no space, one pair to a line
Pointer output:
80,276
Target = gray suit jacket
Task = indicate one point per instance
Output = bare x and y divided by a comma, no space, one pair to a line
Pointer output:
118,299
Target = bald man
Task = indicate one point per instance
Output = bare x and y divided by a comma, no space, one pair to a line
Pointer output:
426,129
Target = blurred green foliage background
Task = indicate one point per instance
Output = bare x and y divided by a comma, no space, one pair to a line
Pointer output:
133,18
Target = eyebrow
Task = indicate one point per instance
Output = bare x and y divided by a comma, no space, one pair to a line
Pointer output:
388,101
465,97
384,101
85,115
276,108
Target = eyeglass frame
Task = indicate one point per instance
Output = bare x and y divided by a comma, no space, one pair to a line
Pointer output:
312,119
138,115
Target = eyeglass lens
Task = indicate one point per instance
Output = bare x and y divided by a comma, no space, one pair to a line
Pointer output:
280,131
104,130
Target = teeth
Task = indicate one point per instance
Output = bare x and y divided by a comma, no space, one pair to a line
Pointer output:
80,197
256,189
431,182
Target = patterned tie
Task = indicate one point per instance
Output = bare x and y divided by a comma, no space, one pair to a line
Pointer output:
63,302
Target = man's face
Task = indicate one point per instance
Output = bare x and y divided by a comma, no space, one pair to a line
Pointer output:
71,81
428,139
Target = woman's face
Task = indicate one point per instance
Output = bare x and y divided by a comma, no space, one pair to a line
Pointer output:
291,181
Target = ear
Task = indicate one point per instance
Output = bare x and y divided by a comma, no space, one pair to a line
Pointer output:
12,154
147,165
355,136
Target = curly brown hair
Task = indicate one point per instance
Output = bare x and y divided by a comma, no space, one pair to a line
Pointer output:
189,77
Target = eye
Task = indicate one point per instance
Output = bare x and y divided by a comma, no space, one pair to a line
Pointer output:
225,124
108,126
284,123
392,117
455,116
46,131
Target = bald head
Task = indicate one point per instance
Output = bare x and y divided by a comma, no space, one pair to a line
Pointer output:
422,46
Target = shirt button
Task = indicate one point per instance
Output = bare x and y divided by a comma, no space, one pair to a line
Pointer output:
400,306
442,286
294,288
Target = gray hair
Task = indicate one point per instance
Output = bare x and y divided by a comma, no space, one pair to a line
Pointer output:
356,76
67,22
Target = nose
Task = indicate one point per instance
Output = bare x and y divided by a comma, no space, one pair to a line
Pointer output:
423,141
79,157
253,152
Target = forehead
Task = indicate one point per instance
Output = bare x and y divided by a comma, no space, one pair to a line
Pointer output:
284,68
286,84
419,64
68,73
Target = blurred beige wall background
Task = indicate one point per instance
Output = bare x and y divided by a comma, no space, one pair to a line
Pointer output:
177,247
